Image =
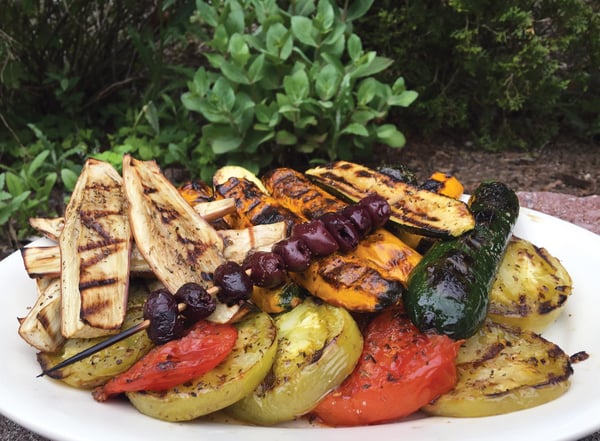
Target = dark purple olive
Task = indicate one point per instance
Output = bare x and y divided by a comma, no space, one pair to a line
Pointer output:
165,322
199,304
267,269
379,209
319,240
360,218
342,231
295,253
233,283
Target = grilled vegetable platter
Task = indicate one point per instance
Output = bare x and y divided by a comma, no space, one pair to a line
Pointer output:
341,296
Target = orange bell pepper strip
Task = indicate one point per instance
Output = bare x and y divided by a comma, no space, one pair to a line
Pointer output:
400,370
201,349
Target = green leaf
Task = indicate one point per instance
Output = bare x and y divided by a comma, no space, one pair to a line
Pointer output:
234,23
238,48
151,115
306,121
276,35
68,178
405,99
355,129
7,211
325,15
207,13
283,137
373,66
357,9
296,86
234,73
366,91
37,162
221,138
336,35
355,49
304,7
364,116
14,184
224,94
220,39
256,70
389,134
303,30
398,87
326,82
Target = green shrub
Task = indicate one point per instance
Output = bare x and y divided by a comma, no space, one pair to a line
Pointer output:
287,83
510,73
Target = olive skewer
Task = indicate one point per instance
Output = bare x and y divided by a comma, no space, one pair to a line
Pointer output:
233,283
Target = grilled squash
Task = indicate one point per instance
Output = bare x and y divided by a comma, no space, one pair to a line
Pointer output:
502,369
95,245
386,252
531,287
419,211
96,370
339,279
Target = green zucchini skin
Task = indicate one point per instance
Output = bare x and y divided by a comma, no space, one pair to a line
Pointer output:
448,291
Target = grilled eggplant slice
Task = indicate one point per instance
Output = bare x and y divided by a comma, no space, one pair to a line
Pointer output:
339,279
503,369
531,287
178,245
419,211
237,376
48,227
95,245
392,257
41,328
105,364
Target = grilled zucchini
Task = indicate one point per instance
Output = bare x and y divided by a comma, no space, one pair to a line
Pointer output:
502,369
417,210
448,291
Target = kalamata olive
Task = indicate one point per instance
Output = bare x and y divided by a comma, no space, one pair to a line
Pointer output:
233,283
165,322
342,230
360,218
295,253
379,209
267,269
199,303
319,240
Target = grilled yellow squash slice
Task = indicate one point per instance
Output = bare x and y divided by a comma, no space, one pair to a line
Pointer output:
419,211
95,244
503,369
99,368
531,287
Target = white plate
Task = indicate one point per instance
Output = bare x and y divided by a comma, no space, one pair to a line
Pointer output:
62,413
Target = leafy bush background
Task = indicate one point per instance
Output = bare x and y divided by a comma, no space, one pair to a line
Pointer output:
94,78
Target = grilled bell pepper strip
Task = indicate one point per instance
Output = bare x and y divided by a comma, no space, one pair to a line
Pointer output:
201,349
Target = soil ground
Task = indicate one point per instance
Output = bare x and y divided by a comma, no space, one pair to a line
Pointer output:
561,167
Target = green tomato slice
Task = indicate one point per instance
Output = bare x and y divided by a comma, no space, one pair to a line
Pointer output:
236,377
318,347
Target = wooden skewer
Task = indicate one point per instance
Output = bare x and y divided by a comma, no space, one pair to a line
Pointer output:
114,339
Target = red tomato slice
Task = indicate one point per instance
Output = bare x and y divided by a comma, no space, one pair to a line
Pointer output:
204,346
400,370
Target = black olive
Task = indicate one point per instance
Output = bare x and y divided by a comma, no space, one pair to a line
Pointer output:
316,236
267,269
379,209
233,283
163,312
295,253
342,231
199,303
360,218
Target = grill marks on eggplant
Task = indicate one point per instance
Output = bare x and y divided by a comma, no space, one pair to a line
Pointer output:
95,245
178,245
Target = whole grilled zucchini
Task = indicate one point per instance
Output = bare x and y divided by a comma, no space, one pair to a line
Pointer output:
449,289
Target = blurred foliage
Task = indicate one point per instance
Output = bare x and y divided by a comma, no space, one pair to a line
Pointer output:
98,78
509,74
